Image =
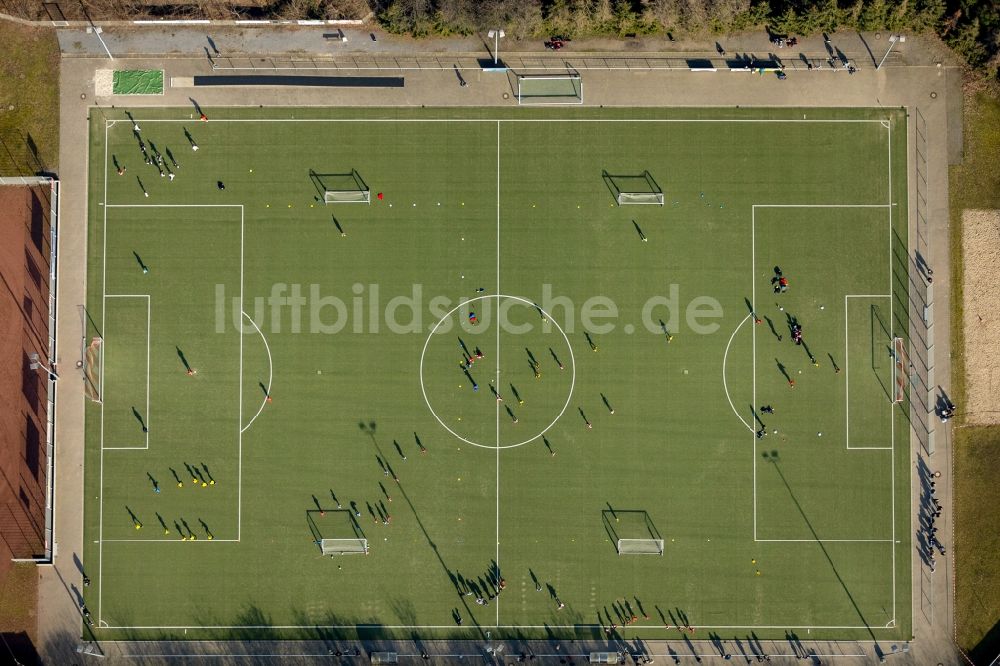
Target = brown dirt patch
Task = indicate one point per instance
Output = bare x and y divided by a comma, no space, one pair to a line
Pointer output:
24,329
981,315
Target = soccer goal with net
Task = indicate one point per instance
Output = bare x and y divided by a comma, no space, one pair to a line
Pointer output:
629,189
901,368
549,89
347,196
640,546
348,187
93,362
343,546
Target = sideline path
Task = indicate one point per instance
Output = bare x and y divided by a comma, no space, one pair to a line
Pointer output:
921,85
304,44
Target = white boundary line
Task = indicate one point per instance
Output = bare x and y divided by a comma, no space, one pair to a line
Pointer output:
104,289
496,319
650,628
104,624
515,120
847,378
170,541
892,414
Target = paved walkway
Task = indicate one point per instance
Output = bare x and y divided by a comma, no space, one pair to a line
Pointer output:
914,80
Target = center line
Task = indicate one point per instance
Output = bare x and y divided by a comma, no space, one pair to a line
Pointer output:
496,320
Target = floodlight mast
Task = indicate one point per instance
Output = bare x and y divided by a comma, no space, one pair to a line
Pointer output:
893,39
496,35
36,363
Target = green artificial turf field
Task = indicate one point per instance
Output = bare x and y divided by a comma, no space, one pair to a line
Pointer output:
275,371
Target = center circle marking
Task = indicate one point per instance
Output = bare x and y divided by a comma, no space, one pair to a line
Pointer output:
572,365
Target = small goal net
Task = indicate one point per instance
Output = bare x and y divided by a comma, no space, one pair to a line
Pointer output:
640,546
347,196
651,198
346,187
92,363
344,546
549,89
638,188
900,370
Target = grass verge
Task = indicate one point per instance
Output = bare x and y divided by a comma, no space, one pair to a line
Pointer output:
975,184
29,100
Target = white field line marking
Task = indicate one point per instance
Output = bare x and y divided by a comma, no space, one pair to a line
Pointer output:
171,541
270,372
496,320
753,336
517,120
173,206
725,383
359,120
104,287
820,205
650,628
439,655
239,418
149,336
847,380
892,415
825,540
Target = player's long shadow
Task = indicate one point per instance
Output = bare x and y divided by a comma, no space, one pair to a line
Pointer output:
370,430
775,462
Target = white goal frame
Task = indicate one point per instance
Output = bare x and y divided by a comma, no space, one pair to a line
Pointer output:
640,546
557,98
343,546
647,198
347,196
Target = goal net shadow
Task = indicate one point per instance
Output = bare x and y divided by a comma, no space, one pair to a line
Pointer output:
345,187
632,531
883,352
336,532
633,188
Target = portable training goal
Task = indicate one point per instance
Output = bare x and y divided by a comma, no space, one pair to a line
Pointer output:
640,546
900,369
343,546
347,196
93,361
631,189
348,187
550,88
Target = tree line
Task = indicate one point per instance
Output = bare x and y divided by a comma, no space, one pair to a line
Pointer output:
970,27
